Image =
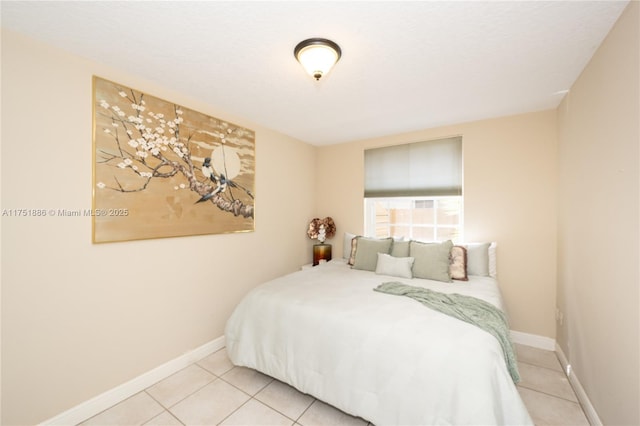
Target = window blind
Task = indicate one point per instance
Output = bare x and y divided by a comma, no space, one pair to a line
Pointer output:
430,168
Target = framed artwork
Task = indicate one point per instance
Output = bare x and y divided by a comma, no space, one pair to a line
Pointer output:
162,170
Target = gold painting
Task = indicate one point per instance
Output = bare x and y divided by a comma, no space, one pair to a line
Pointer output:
162,170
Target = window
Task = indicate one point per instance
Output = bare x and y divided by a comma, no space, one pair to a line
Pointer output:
415,191
417,218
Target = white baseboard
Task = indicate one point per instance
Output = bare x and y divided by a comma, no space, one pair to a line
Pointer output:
540,342
585,402
96,405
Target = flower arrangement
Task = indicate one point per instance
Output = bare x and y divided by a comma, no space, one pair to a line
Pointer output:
321,229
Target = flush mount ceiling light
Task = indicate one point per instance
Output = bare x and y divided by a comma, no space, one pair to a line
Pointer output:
317,56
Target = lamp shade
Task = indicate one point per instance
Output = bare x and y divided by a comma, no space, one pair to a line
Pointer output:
317,56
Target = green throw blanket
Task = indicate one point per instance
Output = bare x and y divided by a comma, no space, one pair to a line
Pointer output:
466,308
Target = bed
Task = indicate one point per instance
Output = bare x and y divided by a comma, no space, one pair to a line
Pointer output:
387,359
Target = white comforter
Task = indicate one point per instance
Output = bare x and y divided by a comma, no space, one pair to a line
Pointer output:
385,358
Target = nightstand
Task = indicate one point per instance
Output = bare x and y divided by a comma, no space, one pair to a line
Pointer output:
321,252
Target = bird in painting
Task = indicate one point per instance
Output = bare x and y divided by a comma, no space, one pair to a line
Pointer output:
223,182
207,170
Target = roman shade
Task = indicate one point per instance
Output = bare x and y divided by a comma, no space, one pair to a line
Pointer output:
420,169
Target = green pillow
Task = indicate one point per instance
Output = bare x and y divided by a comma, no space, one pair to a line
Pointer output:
431,260
400,249
367,250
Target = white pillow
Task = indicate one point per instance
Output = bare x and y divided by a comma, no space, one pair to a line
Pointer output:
481,259
394,266
493,267
346,245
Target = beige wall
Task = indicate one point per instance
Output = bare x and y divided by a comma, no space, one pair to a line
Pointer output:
598,277
79,319
509,197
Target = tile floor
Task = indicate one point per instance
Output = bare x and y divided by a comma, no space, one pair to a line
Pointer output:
214,392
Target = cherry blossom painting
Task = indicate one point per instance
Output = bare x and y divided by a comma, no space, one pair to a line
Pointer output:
162,170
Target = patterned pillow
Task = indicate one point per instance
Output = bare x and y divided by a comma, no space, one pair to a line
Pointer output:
354,247
458,263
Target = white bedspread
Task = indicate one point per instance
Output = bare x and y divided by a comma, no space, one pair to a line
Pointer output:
387,359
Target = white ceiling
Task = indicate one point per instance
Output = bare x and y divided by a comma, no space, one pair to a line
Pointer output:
405,65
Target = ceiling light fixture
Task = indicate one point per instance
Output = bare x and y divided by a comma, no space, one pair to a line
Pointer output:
317,56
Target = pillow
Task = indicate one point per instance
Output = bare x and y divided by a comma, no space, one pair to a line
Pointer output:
366,252
478,259
394,266
352,251
400,248
458,263
493,267
431,260
346,245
